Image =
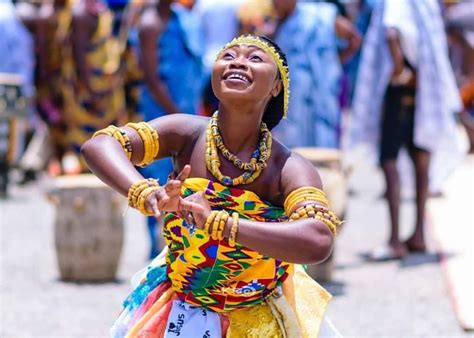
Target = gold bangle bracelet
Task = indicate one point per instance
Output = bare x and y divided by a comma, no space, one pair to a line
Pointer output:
141,206
120,135
303,194
222,223
137,188
150,139
138,193
215,226
209,221
233,229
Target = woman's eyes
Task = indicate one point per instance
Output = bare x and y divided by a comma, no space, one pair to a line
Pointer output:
256,58
253,57
227,56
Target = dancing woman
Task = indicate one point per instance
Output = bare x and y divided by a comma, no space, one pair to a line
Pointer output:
241,215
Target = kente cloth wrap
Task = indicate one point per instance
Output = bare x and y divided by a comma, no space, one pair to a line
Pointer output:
212,274
253,295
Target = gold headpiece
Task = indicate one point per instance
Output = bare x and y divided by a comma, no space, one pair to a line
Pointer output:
270,50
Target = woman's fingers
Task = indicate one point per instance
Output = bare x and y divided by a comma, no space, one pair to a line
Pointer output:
163,201
173,188
152,205
185,205
184,174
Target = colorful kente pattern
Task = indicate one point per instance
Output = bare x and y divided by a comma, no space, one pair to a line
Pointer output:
87,110
209,273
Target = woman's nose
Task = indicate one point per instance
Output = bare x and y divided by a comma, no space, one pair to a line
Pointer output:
239,62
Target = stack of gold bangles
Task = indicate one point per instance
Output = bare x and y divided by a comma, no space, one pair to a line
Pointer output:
150,140
215,226
120,135
139,192
305,194
319,209
148,135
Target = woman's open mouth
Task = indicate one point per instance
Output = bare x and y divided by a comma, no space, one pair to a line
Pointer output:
234,76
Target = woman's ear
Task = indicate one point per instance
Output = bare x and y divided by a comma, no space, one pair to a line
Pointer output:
277,88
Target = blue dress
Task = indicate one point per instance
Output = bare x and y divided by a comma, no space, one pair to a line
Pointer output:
309,41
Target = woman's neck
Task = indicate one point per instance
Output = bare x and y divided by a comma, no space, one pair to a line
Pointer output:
240,127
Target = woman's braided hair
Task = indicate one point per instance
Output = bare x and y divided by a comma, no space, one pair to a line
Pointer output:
275,108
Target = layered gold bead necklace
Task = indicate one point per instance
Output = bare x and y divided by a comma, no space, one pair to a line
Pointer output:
252,169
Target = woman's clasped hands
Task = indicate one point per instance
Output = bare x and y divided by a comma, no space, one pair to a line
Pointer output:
194,209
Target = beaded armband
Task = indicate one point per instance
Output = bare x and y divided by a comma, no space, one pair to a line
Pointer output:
120,135
316,206
320,213
150,139
138,193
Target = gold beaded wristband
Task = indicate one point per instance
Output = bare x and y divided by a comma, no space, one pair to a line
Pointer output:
233,229
318,212
150,139
120,135
138,193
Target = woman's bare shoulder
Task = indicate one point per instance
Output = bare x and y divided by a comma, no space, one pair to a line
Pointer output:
177,130
296,171
180,123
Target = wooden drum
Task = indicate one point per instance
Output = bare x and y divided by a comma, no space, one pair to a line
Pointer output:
328,162
88,228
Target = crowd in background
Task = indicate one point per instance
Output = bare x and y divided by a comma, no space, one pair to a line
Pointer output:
86,64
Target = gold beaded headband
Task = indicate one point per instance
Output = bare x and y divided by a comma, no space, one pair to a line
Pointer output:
270,50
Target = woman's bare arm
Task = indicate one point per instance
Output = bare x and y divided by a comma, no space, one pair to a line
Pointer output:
347,31
106,158
302,241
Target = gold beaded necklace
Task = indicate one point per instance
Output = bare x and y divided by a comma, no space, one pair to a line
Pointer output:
252,169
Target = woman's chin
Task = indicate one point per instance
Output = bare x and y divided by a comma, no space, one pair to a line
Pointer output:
242,93
235,97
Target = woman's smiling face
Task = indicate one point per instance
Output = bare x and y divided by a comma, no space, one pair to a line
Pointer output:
246,72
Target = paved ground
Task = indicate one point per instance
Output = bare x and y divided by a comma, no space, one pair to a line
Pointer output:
394,299
454,234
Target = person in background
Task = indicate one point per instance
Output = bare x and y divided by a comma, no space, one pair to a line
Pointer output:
170,54
93,85
220,24
126,16
17,46
49,103
360,13
257,17
308,33
405,95
189,4
19,23
459,18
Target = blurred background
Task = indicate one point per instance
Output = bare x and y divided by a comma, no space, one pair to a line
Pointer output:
382,103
